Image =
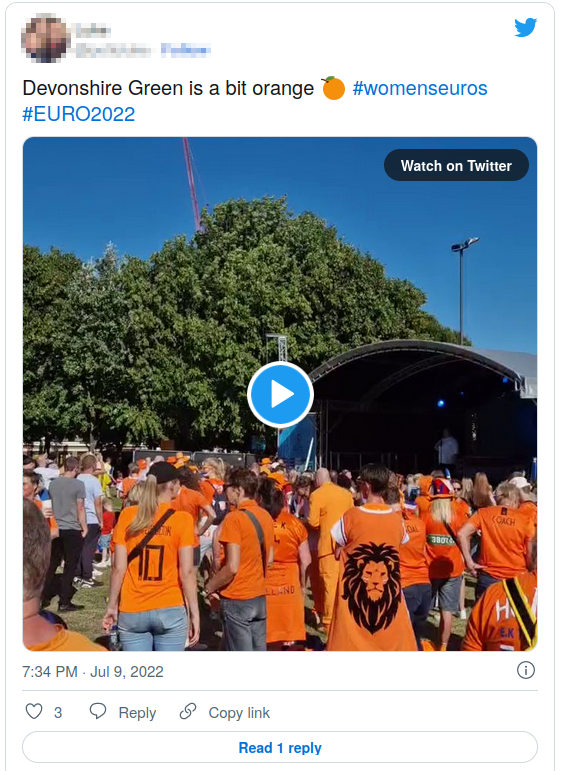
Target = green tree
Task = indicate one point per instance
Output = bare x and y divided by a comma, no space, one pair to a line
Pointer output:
46,280
132,350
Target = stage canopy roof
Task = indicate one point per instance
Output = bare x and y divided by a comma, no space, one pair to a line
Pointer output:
374,369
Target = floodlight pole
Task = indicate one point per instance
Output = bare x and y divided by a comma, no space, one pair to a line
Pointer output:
461,248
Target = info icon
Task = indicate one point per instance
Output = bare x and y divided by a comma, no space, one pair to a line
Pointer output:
280,394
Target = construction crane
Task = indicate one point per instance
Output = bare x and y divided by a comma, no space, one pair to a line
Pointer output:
190,176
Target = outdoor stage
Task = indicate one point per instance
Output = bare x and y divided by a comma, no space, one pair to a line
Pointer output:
388,402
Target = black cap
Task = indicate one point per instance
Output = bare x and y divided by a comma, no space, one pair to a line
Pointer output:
163,472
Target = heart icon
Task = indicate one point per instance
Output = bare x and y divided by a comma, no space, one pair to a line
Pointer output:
34,710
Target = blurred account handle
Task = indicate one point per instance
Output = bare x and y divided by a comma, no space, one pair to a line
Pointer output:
337,746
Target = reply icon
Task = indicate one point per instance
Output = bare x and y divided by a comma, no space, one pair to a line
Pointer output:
97,709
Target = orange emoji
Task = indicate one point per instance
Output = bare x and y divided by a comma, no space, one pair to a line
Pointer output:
333,87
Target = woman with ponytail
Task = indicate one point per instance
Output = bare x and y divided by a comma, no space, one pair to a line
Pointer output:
153,583
445,561
286,580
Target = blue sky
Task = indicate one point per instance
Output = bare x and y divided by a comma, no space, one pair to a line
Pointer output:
79,194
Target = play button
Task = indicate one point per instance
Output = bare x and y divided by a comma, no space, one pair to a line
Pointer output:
280,394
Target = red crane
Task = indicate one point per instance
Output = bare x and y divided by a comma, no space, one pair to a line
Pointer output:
190,176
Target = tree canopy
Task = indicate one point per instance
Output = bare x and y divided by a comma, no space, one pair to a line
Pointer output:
129,350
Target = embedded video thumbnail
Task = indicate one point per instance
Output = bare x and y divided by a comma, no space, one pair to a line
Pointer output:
379,495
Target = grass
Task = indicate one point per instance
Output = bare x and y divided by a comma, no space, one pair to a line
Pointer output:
89,620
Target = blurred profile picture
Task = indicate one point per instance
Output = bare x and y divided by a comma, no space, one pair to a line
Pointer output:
45,38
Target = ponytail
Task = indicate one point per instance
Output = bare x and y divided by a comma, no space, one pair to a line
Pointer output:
146,508
441,510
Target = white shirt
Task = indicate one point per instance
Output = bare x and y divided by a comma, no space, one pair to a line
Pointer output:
47,474
447,450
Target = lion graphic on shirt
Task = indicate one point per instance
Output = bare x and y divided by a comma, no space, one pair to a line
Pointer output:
372,585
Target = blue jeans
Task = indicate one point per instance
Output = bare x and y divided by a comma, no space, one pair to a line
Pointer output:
418,598
154,630
244,624
484,582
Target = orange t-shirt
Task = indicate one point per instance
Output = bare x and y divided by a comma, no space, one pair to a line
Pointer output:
326,505
443,553
285,603
423,504
237,528
289,534
531,508
492,625
152,580
209,487
65,640
412,555
462,507
370,613
127,485
191,501
505,537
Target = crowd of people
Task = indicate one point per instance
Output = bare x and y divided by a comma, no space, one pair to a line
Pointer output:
285,560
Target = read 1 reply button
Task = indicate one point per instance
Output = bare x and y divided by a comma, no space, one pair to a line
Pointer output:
282,749
229,746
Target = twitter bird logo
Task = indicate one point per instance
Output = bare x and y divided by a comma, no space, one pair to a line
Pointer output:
524,30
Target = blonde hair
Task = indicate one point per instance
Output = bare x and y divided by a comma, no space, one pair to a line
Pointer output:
441,510
218,467
147,506
107,504
135,493
507,494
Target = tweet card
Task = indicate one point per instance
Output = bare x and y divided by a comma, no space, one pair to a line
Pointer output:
282,384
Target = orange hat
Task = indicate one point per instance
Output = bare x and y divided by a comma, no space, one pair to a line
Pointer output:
142,463
171,459
265,461
278,477
424,484
441,488
181,459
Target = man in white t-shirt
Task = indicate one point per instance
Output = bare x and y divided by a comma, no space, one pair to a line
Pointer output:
93,509
448,450
45,470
